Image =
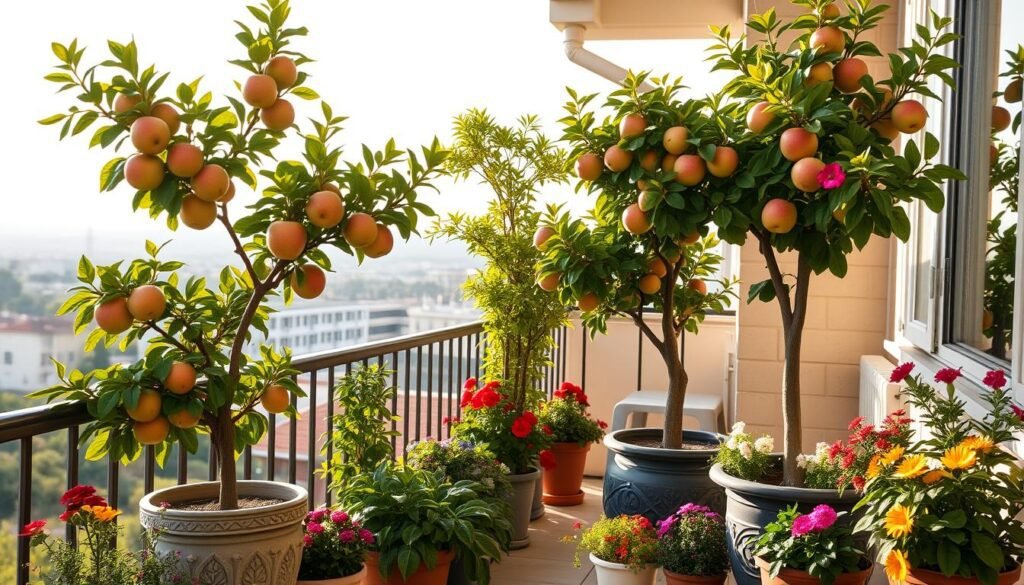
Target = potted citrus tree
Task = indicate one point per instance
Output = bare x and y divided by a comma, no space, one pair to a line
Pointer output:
820,177
185,152
572,430
659,168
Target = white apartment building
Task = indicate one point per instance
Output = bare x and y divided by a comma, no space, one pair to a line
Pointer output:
308,327
26,345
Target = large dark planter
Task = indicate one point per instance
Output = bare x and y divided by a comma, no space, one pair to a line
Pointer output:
654,482
750,506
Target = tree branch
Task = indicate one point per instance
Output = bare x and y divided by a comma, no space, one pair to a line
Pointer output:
223,217
785,305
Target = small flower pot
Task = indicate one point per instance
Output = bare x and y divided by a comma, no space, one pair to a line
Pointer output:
789,576
521,500
422,576
677,579
617,574
538,510
563,482
355,579
926,577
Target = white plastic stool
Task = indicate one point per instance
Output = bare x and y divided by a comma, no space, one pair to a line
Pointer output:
707,409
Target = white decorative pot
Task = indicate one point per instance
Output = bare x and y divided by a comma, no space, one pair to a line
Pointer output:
252,546
350,580
618,574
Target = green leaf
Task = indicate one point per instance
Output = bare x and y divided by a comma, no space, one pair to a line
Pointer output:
109,172
949,557
305,93
987,550
50,120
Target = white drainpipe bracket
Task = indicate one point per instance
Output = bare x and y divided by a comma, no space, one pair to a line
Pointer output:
574,35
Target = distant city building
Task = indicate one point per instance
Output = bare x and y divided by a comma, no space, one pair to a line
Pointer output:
26,345
428,318
320,326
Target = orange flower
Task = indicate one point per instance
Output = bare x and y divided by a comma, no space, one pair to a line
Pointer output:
911,467
983,444
935,475
959,457
899,521
102,513
896,566
874,467
892,456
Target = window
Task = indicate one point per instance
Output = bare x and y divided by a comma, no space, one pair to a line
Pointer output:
8,358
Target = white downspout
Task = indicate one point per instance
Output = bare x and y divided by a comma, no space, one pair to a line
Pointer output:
575,34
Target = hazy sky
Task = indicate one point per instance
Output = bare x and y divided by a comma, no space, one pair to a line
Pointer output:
395,67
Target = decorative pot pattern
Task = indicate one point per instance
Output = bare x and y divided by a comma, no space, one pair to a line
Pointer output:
254,546
618,574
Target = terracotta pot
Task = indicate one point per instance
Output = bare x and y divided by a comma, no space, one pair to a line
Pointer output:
794,577
423,576
562,483
926,577
618,574
677,579
355,579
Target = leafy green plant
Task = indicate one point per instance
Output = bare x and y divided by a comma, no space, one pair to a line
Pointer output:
416,514
462,461
819,174
626,540
360,435
195,377
815,543
565,417
692,542
745,457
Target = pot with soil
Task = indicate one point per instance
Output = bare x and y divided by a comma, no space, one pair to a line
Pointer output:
789,576
521,500
609,573
563,483
228,547
644,478
423,575
678,579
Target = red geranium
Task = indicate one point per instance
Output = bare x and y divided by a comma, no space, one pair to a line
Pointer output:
995,379
78,496
547,459
521,427
33,528
467,398
947,375
486,398
900,372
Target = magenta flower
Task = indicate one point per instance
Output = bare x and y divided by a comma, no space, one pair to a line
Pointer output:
664,526
900,372
802,525
832,176
317,515
314,528
307,540
1018,411
347,536
995,379
823,517
339,517
366,536
947,375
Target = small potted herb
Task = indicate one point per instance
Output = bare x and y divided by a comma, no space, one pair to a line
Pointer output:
691,547
623,549
808,549
333,549
566,420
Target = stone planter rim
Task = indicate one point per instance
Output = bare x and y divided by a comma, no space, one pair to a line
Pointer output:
778,492
151,514
614,442
531,475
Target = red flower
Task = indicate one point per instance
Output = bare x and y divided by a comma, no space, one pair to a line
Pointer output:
547,459
492,385
602,424
486,398
577,525
530,418
855,423
547,430
467,398
995,379
835,449
831,176
470,384
862,434
1018,411
947,375
78,496
858,482
521,428
882,444
33,528
849,458
900,372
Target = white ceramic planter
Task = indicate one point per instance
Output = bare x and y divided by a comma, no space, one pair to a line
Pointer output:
350,580
617,574
254,546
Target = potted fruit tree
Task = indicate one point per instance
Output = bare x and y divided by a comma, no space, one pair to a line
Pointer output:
691,546
660,167
810,549
820,177
623,549
195,377
566,420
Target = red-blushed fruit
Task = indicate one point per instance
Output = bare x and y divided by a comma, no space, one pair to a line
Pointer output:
632,125
184,160
230,193
649,199
549,283
286,240
152,432
818,73
124,102
805,174
168,114
668,164
196,213
279,116
360,230
1012,93
147,303
649,284
797,143
886,129
675,139
312,282
588,302
181,379
113,316
144,172
758,118
635,220
325,209
778,216
847,74
542,235
210,183
282,69
828,39
260,91
147,408
617,159
657,266
698,285
650,160
1000,118
690,169
331,187
150,135
275,399
382,244
183,419
993,153
909,116
830,12
725,162
690,238
589,166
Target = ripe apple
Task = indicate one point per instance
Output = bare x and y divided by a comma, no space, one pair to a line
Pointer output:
848,73
724,162
210,183
830,12
1012,93
181,379
168,114
690,169
283,71
542,235
325,209
797,143
286,240
196,213
649,199
144,172
150,135
229,195
632,125
909,116
589,166
650,160
758,118
675,139
698,285
184,160
649,284
828,39
617,159
279,116
657,267
382,244
690,238
635,220
113,316
778,216
260,91
805,174
549,282
147,303
312,282
124,102
360,230
588,302
1000,118
818,73
886,129
668,163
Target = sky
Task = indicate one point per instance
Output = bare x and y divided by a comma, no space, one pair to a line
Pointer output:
397,68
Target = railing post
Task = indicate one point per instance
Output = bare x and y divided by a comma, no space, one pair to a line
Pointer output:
24,507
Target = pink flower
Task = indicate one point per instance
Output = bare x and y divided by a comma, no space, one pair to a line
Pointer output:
317,515
995,379
665,525
900,372
832,176
547,459
314,528
339,517
1018,411
307,540
823,517
366,536
802,525
347,536
947,375
33,528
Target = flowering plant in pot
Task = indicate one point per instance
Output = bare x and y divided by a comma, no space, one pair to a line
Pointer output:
334,547
188,148
691,546
805,549
566,419
623,549
945,508
744,456
842,465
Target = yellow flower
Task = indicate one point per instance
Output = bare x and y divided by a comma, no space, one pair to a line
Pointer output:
873,467
959,457
896,566
912,467
899,521
102,513
983,444
935,475
892,456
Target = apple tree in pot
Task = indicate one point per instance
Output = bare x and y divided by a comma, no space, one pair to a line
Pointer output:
181,153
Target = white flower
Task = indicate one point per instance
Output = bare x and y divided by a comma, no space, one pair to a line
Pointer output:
746,451
739,427
765,444
801,461
732,443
